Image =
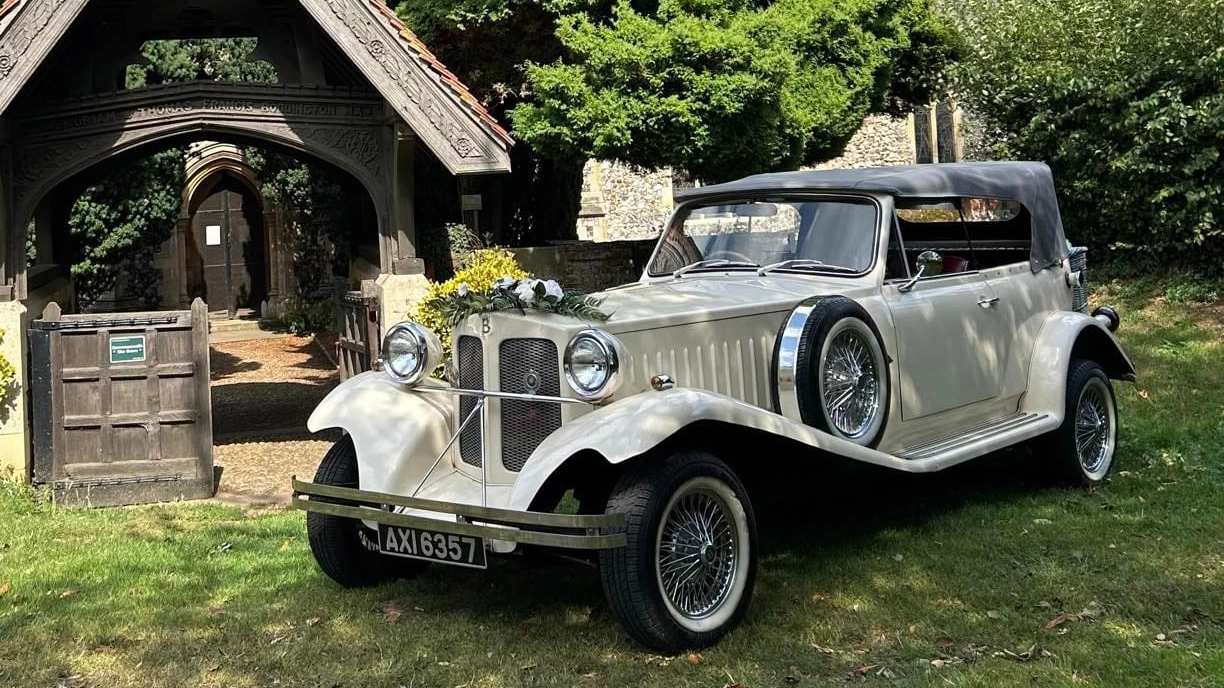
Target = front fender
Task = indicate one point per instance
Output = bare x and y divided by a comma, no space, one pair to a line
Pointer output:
1063,336
633,426
397,432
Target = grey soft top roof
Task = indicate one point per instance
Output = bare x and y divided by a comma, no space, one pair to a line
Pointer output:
1029,183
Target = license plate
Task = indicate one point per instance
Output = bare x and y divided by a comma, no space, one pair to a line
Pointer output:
444,548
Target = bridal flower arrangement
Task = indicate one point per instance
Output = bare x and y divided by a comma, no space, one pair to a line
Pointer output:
522,295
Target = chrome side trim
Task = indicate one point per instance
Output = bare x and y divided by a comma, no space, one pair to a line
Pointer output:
788,358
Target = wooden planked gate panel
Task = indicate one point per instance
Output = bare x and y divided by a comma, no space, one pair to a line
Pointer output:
121,405
357,346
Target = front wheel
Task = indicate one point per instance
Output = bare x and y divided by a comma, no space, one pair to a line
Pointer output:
344,548
686,575
1081,450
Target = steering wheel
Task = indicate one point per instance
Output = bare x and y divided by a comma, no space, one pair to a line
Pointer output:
729,255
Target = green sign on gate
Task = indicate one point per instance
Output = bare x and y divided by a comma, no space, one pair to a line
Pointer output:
127,349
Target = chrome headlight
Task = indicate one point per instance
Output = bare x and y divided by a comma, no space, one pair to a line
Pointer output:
592,364
410,352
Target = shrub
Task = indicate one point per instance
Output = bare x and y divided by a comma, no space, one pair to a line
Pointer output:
724,89
305,317
1122,98
481,269
465,241
8,376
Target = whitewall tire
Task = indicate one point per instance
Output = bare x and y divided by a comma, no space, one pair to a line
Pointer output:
1081,451
686,576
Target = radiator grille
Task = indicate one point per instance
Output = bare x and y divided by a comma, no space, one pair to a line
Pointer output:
1079,294
470,358
528,366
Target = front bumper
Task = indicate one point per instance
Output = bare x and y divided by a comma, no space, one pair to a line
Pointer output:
567,531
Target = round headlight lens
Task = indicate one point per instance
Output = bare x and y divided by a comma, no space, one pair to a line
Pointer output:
591,364
406,353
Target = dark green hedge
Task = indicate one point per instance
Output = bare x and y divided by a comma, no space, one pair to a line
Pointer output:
1125,100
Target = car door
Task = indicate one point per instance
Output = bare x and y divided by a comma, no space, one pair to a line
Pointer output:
950,343
951,338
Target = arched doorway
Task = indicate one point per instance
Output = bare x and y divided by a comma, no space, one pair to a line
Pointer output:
226,247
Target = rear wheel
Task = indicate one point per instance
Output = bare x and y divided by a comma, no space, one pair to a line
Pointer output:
1081,450
686,575
345,548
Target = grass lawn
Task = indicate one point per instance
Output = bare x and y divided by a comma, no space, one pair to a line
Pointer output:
980,576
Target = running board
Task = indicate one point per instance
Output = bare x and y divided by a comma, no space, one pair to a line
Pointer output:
981,439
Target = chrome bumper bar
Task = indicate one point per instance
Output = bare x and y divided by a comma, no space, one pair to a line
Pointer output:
568,531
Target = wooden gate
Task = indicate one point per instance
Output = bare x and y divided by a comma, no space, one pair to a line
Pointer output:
358,343
122,412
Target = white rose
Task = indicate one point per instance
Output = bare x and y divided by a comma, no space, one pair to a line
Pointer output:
463,289
504,282
525,291
551,288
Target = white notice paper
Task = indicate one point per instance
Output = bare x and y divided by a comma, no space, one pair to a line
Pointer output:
213,235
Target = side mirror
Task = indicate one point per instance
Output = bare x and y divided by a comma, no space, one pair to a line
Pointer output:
929,263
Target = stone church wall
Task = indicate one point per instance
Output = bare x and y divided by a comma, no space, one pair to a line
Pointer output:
620,202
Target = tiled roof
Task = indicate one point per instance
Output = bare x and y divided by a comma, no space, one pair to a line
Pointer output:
447,78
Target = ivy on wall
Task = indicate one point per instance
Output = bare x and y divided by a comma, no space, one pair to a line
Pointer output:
315,204
125,218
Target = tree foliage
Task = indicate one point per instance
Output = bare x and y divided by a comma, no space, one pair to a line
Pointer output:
199,59
1123,98
726,88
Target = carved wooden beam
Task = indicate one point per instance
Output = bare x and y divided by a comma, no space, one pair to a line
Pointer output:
449,129
29,37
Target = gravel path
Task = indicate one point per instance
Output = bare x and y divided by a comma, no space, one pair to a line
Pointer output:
262,393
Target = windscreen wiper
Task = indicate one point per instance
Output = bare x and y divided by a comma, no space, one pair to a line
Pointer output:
803,264
714,263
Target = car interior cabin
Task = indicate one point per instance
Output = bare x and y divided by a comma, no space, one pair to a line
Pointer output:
969,233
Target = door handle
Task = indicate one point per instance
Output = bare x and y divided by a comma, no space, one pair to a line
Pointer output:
988,301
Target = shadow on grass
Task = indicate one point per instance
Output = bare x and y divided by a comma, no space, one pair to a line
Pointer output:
199,594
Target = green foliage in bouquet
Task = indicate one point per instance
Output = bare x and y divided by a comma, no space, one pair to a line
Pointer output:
521,295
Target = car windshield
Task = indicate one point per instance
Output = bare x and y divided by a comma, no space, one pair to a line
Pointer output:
802,234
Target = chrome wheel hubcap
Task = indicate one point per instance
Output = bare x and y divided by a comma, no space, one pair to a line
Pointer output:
1094,427
851,384
698,552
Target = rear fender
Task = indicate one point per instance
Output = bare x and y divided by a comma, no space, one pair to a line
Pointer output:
632,427
396,431
1064,336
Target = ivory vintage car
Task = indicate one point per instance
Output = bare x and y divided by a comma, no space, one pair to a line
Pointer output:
911,317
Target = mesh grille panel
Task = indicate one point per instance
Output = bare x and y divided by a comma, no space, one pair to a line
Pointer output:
528,366
1079,294
471,376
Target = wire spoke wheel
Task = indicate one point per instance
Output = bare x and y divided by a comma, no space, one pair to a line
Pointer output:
850,384
698,553
1094,427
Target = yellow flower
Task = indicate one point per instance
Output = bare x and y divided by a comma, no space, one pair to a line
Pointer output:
480,271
